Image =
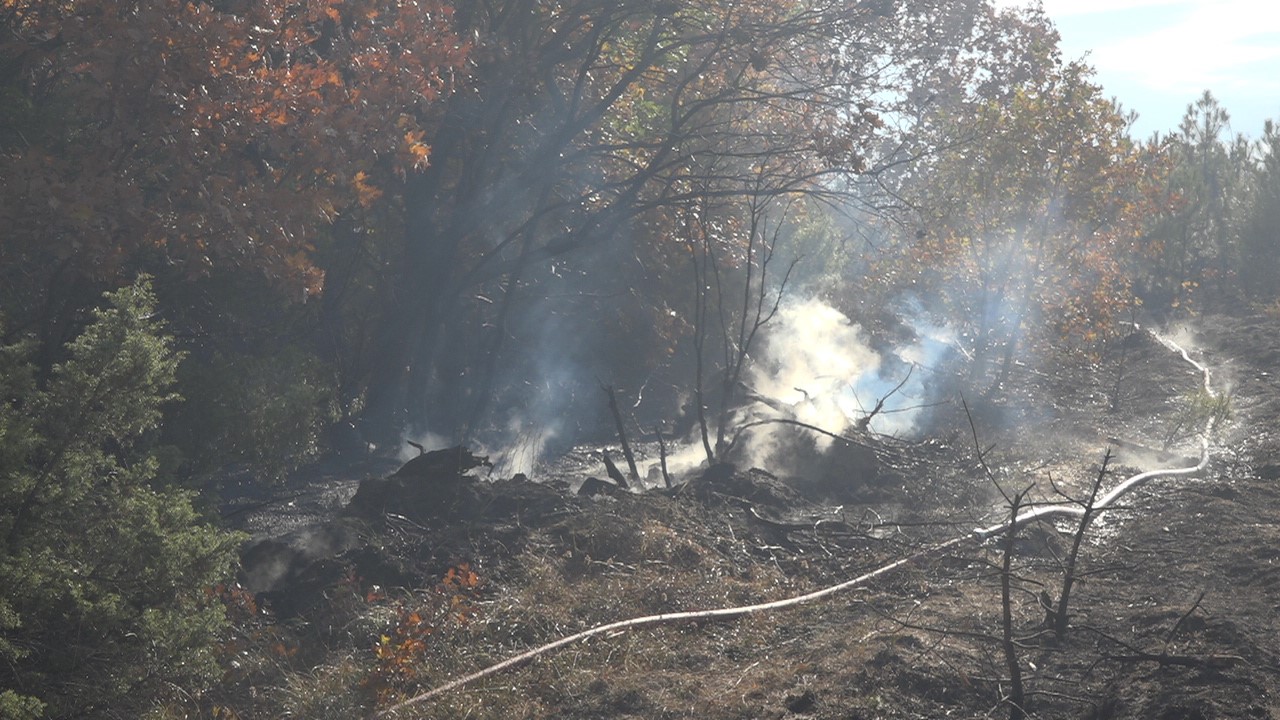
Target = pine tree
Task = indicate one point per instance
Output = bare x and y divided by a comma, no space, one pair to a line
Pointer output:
104,573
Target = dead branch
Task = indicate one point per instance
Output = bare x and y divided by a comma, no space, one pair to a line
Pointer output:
662,457
1060,615
977,445
612,468
1215,661
1206,662
742,429
1174,630
865,422
622,434
1017,698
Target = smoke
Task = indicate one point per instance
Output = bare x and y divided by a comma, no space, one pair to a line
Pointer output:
519,452
529,436
428,440
913,365
818,367
811,356
811,364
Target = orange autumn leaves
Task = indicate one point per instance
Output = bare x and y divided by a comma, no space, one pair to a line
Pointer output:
1034,231
217,136
400,652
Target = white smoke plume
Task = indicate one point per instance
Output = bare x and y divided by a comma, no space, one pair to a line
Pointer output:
428,440
811,355
820,367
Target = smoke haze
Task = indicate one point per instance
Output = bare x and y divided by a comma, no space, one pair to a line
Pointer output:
820,366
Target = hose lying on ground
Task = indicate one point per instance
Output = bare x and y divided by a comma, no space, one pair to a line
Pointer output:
1109,499
980,534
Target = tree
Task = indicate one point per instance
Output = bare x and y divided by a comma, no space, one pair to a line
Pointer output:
1027,234
1260,234
104,574
733,315
1197,234
590,126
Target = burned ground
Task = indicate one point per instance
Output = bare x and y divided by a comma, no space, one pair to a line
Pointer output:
1175,615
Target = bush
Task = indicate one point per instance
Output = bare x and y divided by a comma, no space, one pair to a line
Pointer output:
266,413
104,602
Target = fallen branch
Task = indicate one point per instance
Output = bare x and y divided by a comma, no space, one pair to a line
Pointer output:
979,535
1216,661
614,473
788,421
1207,662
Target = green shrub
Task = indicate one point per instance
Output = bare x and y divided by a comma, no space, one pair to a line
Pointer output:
266,412
104,578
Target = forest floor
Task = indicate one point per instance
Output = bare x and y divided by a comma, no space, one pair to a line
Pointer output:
432,574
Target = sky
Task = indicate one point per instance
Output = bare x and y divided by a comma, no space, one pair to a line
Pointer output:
1158,56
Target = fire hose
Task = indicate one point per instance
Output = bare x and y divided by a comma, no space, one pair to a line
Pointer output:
1120,490
981,534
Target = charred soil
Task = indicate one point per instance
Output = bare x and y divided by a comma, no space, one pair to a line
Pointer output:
437,570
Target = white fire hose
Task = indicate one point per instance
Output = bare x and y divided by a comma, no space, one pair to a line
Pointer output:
980,534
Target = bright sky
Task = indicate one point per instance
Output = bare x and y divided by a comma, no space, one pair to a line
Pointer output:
1158,56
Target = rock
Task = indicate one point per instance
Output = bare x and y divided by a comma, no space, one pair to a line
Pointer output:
431,486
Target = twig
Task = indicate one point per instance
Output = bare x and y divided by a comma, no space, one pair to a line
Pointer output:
1017,698
977,446
788,421
662,456
864,422
1173,630
1060,615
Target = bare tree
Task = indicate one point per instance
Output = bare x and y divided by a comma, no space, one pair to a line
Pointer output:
592,120
1060,614
738,324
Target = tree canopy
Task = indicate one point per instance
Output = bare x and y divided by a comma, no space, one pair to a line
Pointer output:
358,221
197,135
1030,233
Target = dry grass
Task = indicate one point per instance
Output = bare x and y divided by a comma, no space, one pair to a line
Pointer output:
916,644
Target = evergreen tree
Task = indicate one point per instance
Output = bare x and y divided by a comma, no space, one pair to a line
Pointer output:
1200,235
104,575
1261,235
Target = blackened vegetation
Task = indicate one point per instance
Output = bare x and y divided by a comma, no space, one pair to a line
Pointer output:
432,485
1164,620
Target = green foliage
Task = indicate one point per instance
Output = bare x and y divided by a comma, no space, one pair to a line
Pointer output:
19,707
1198,231
267,412
103,577
1197,410
1260,268
1208,407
